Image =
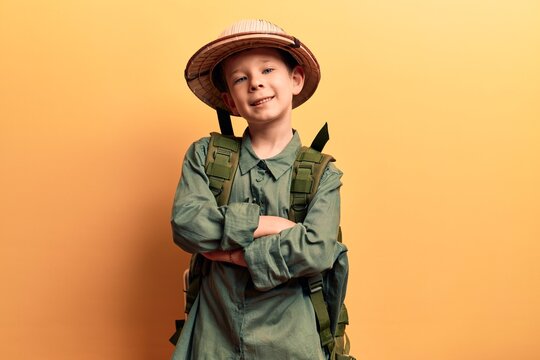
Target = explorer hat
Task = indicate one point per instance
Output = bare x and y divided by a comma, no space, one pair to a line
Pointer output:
242,35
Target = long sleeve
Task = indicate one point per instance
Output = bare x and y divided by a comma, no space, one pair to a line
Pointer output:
306,249
198,224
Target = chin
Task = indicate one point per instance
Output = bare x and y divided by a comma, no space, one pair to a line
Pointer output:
266,117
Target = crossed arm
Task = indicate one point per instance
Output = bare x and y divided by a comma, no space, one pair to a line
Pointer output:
268,225
273,248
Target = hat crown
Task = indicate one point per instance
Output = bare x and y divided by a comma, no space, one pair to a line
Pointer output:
252,25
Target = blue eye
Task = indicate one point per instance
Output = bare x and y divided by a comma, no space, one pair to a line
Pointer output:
240,79
267,71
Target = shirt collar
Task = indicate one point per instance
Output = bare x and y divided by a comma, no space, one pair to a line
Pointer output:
278,164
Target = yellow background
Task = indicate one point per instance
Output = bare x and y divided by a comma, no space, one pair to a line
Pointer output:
434,113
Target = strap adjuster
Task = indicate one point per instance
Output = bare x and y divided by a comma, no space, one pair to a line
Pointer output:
315,283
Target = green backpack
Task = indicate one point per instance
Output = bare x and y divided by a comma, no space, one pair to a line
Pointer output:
221,164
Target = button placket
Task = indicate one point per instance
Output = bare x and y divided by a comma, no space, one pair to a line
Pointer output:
258,175
255,186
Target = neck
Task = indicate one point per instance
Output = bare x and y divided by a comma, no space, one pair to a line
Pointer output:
269,140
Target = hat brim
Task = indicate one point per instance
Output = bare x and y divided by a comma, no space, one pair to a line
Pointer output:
198,73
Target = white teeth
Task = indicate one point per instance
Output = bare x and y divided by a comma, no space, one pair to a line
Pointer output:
262,101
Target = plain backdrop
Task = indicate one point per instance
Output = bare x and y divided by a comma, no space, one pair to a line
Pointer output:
434,115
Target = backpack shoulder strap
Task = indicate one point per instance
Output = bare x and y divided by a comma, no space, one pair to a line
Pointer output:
307,172
221,164
222,161
314,286
225,123
308,169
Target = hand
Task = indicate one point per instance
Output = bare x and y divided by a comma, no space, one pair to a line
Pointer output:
270,225
235,257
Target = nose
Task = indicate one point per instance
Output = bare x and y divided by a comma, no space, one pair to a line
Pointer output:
255,83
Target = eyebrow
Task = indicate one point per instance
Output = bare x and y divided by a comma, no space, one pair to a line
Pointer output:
264,61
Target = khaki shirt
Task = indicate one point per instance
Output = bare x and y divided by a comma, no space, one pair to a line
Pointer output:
262,311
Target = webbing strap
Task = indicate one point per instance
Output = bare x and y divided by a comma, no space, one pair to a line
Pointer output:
321,138
315,287
307,172
344,357
342,348
179,325
221,164
225,124
342,321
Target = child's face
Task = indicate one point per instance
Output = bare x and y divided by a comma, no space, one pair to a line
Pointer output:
261,87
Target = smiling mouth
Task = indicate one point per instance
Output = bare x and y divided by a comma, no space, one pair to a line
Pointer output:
262,101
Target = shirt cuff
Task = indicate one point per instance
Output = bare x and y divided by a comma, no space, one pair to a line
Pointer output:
266,264
240,222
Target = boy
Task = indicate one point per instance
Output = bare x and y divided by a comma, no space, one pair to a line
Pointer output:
251,303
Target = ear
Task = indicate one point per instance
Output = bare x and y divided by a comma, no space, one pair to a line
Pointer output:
228,100
298,76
